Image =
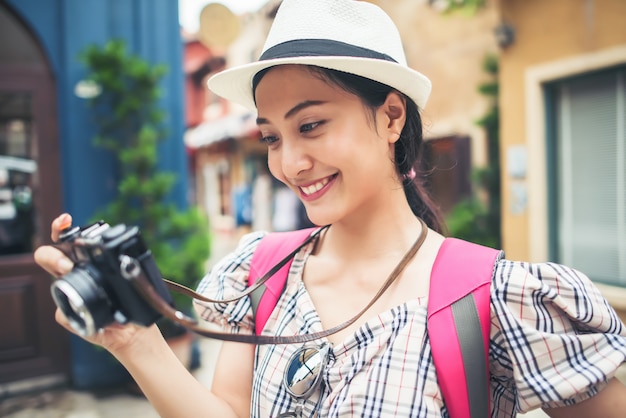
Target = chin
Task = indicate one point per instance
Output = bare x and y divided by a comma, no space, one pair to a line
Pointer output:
320,218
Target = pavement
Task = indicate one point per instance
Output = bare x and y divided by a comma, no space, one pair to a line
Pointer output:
117,402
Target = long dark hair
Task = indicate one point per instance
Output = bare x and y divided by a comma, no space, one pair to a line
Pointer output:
408,149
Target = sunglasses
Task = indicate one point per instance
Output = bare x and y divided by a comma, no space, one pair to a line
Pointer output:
303,374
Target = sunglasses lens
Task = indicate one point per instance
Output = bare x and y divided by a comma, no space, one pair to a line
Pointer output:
304,371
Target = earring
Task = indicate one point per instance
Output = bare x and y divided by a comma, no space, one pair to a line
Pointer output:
410,176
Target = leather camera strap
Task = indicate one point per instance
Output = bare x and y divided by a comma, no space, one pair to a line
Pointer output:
145,288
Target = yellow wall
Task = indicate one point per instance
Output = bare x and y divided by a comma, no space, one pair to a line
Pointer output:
553,39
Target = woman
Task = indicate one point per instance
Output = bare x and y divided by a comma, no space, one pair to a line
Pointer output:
338,109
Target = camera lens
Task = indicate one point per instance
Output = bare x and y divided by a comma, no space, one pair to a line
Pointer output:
83,301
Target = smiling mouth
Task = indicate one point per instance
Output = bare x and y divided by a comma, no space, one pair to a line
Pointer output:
315,187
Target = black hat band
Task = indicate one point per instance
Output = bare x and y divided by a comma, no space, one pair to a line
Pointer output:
322,48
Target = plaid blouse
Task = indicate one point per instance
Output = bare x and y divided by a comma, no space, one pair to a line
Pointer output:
554,341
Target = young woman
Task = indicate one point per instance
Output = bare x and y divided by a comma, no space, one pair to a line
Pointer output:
339,111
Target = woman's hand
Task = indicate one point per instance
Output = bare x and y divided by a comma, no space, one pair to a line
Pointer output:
50,258
165,381
116,338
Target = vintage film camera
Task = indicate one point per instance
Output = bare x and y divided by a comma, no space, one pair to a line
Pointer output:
99,289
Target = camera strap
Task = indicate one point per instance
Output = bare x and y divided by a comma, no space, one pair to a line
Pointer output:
145,288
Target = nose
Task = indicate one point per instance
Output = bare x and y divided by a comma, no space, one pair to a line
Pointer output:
294,159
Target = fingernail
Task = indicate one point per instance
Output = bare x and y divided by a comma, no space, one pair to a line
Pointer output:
64,265
65,221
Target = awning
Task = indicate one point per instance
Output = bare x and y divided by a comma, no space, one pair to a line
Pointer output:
231,126
24,165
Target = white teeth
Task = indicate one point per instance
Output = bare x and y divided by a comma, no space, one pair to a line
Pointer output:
314,187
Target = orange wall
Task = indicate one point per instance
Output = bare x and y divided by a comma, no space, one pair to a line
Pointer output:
546,31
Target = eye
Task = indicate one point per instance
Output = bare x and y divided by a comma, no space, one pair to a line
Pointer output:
308,127
268,139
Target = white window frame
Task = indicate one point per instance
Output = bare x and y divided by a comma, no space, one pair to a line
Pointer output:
535,78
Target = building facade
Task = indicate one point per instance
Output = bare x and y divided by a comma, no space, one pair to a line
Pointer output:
563,119
48,163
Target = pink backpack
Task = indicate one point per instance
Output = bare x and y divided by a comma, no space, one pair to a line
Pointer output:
458,313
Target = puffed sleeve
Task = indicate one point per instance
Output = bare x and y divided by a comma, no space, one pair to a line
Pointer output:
227,279
555,340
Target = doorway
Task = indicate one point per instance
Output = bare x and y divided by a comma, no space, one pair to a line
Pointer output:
31,343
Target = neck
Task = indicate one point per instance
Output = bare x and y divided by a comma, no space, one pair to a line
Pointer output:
375,232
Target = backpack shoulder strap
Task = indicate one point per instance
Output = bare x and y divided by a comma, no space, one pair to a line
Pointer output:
272,248
459,323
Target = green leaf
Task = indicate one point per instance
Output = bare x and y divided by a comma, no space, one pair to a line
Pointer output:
130,125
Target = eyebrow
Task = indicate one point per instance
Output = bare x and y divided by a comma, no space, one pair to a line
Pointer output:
294,110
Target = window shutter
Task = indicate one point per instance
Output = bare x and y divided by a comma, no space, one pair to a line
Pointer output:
591,175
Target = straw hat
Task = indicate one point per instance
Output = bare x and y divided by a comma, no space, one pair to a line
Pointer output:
346,35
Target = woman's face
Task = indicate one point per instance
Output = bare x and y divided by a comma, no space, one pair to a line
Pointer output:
325,145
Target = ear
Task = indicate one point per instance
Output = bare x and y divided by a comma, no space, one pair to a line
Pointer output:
394,110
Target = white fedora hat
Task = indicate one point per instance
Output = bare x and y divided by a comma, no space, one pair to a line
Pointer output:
346,35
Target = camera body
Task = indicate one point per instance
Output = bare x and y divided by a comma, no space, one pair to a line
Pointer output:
99,289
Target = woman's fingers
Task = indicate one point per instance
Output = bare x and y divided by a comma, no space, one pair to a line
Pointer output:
50,258
62,320
62,222
53,260
60,317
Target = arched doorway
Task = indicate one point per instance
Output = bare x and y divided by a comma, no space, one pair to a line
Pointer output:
31,343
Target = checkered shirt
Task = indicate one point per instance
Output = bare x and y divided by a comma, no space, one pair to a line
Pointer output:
554,341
